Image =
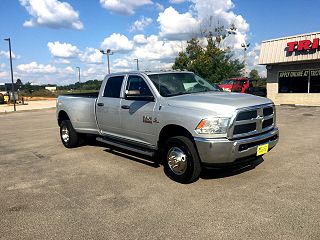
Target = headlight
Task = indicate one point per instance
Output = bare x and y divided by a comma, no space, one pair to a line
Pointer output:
213,125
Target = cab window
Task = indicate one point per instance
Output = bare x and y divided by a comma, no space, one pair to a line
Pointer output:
113,87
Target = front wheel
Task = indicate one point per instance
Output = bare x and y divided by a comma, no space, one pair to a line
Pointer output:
69,137
180,159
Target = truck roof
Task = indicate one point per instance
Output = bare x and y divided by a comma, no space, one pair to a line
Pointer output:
152,72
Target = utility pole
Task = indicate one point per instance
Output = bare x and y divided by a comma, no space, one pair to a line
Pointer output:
108,53
13,93
137,60
245,48
78,73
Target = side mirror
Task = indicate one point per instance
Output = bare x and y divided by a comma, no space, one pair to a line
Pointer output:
136,95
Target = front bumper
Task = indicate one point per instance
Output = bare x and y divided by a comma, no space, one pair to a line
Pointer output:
224,151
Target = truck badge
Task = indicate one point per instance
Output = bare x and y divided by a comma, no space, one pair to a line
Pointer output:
147,119
155,120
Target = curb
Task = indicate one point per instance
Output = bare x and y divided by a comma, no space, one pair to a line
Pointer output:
27,110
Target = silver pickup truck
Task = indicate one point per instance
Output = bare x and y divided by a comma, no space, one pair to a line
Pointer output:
176,116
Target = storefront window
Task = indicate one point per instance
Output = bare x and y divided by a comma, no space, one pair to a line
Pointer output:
293,81
315,81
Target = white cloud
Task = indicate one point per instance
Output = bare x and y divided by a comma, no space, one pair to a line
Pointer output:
140,39
68,70
34,67
159,7
52,14
176,26
141,24
91,70
94,72
215,13
176,1
63,50
253,60
121,63
62,61
156,49
38,73
2,65
91,55
205,15
6,54
4,75
117,42
124,7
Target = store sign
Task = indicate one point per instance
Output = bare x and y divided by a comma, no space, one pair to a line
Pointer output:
303,45
315,73
294,74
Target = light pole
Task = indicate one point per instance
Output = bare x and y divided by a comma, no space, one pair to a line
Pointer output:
108,53
13,95
245,48
78,73
137,60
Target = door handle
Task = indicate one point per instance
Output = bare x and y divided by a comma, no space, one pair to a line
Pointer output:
100,104
125,107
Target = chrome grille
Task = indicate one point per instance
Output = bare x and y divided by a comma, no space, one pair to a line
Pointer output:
252,121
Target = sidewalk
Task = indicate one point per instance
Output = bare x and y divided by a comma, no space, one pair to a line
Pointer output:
31,105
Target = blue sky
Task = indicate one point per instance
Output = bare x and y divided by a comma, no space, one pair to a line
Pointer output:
51,37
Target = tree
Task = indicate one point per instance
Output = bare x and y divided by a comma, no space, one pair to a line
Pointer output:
19,84
209,62
254,74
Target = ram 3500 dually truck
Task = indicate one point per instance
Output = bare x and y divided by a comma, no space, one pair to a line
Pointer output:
177,116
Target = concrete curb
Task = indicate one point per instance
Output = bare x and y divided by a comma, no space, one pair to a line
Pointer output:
27,110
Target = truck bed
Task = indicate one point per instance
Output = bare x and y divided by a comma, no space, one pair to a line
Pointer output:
81,110
85,95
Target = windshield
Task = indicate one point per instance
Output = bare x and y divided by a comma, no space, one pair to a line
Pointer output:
228,81
173,84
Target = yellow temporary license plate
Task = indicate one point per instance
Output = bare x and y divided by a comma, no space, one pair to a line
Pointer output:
262,149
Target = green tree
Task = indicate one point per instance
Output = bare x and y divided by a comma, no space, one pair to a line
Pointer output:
254,74
19,84
209,62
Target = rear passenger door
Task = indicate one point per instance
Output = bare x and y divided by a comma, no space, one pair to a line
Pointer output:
108,106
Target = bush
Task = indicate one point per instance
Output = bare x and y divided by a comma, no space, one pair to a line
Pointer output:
38,93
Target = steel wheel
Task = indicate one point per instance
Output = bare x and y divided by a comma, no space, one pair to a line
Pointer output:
65,134
177,160
180,159
69,137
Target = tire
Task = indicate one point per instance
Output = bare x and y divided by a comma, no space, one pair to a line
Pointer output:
69,137
188,168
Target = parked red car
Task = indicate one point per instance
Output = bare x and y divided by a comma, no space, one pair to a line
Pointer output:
235,85
242,85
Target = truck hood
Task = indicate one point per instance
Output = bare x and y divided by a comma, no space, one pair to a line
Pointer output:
217,103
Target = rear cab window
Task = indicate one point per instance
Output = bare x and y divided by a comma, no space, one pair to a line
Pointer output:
113,87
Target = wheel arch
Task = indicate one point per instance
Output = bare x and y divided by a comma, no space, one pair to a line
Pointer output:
172,130
62,116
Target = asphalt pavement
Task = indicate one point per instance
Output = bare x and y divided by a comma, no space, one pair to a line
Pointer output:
92,192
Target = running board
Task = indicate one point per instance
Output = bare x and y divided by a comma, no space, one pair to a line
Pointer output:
147,152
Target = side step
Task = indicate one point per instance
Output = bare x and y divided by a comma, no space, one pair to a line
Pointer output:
143,151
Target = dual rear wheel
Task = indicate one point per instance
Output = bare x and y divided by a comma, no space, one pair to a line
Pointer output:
69,137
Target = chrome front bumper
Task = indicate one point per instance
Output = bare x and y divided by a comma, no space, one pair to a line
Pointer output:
224,151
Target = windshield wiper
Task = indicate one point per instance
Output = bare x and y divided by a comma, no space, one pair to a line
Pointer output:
177,94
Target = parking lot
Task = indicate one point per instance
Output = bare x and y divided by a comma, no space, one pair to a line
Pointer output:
91,192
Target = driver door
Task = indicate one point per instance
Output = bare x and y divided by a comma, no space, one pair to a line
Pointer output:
137,115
